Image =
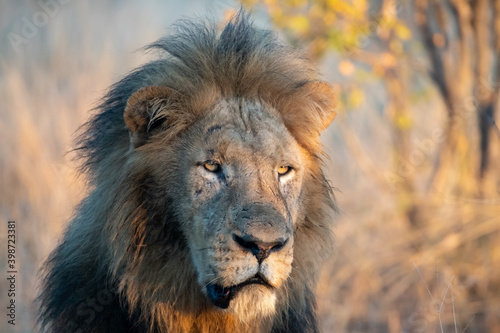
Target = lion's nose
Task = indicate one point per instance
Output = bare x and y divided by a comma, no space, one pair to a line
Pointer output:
261,250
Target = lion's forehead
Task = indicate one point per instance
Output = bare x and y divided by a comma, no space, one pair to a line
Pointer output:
249,126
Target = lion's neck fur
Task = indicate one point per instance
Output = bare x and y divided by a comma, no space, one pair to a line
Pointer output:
168,319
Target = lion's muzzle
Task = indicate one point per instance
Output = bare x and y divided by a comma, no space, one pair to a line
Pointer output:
263,239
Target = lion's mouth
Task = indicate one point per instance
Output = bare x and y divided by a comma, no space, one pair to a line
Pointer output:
222,296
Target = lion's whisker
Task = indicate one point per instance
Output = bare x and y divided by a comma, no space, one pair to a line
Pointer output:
209,282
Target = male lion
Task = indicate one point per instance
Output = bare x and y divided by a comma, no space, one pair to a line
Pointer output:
208,209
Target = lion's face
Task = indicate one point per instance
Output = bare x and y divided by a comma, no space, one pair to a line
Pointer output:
237,183
242,177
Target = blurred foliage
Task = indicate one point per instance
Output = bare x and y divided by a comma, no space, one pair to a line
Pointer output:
340,25
345,27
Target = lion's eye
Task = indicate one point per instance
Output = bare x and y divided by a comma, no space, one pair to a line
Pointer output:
212,166
283,170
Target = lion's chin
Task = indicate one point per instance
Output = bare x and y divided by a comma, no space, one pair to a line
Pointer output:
254,302
249,300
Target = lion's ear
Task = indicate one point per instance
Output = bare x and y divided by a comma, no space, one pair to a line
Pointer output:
324,102
146,111
310,112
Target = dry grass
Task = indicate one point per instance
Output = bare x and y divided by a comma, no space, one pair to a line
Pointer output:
370,285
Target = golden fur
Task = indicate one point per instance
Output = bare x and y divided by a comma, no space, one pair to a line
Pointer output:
159,229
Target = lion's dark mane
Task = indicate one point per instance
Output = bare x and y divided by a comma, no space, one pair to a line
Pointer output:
81,272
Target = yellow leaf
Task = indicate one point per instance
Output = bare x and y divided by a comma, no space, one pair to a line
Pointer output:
396,46
404,121
296,3
299,23
356,98
402,31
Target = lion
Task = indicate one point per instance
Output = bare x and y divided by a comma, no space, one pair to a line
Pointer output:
208,210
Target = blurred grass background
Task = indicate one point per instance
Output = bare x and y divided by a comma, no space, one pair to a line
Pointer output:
415,149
